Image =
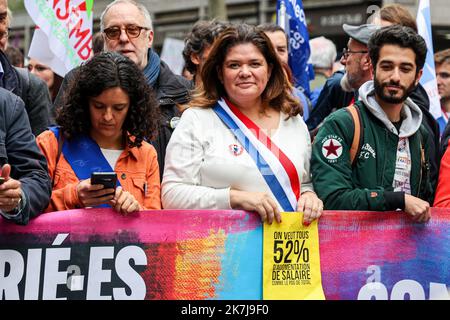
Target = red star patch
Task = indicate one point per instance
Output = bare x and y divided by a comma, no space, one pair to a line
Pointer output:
332,149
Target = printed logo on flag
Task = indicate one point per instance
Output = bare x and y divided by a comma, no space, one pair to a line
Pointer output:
63,39
291,17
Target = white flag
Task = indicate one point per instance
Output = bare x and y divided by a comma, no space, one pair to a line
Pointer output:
64,37
428,80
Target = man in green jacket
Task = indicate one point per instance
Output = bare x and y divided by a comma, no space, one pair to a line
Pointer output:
391,168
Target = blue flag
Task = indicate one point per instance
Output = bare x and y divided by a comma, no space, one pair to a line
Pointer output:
291,17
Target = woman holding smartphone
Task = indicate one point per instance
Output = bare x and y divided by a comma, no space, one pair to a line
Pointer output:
107,114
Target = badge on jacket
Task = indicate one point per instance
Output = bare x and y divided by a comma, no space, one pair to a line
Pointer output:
236,149
174,122
332,148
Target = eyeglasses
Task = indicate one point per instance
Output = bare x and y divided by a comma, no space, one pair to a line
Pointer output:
443,75
346,52
132,31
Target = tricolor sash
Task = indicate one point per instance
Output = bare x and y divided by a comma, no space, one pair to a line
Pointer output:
276,168
84,156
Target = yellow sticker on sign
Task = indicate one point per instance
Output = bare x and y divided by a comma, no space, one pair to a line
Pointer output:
291,260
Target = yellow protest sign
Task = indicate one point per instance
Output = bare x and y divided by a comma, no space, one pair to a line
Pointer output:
291,260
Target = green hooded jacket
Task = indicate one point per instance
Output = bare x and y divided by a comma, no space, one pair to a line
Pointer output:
368,183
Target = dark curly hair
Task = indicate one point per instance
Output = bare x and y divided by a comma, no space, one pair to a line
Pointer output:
109,70
203,34
402,36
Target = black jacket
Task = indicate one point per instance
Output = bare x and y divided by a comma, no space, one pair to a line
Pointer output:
33,91
333,97
444,139
170,90
18,148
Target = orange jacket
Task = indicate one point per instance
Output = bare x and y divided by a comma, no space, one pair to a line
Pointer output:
135,167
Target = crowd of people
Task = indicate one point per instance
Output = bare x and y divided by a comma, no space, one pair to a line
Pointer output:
238,134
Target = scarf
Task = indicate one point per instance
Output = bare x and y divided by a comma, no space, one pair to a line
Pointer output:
151,70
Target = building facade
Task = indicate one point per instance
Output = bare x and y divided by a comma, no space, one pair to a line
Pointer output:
325,17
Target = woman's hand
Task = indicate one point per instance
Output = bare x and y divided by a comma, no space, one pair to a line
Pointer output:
93,195
311,206
256,201
124,202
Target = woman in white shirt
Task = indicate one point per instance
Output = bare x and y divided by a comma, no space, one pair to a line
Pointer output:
242,144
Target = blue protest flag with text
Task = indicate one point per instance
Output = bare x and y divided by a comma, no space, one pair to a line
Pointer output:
291,17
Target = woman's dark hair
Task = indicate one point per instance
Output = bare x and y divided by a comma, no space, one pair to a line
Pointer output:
278,91
272,27
401,36
202,35
104,71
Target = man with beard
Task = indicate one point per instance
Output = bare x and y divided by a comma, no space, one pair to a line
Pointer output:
391,169
340,89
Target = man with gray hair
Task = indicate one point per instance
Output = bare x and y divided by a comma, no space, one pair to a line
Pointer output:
389,168
127,28
340,89
323,56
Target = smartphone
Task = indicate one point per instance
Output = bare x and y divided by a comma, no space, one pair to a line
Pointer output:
107,179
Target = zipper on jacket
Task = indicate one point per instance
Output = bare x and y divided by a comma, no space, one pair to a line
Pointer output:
180,98
420,181
422,157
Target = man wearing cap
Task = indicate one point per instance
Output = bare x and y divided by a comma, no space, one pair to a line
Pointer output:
340,89
391,168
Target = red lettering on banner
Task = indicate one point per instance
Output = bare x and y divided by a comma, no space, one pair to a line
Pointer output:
86,46
79,34
58,11
55,2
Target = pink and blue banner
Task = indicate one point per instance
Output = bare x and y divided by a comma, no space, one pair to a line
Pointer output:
99,254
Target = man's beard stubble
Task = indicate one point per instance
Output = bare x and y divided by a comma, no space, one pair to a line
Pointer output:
345,85
379,91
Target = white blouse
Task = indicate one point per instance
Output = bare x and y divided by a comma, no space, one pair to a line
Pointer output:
204,160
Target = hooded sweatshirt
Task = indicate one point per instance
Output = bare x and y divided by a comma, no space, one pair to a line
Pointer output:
389,162
411,117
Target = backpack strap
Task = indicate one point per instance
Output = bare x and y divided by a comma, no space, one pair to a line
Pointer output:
357,134
423,160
